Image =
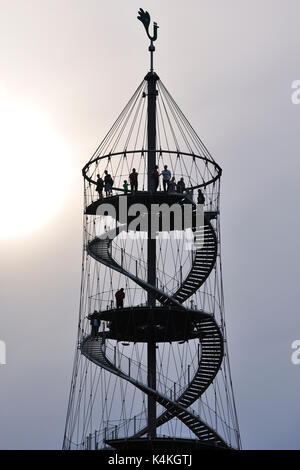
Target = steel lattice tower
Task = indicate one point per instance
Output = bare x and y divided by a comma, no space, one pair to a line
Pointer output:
157,376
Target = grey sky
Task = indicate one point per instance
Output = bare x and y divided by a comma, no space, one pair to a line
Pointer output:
229,66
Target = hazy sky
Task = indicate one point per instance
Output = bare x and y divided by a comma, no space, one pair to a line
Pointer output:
67,69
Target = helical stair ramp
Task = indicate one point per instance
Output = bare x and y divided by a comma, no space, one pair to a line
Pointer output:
205,328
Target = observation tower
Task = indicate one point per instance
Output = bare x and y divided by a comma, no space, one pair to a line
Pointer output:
156,375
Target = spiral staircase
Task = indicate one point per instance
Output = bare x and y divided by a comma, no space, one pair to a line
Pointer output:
192,324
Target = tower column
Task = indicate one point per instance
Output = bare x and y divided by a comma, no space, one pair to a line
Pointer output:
151,247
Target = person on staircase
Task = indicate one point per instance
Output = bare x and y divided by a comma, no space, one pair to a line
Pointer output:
99,187
95,325
120,295
155,176
201,198
133,178
166,174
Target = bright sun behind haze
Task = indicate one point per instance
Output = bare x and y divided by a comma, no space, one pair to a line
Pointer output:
35,168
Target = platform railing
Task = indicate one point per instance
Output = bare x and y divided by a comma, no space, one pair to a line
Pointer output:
211,197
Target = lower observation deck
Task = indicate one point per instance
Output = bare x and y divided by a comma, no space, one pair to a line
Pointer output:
163,444
160,324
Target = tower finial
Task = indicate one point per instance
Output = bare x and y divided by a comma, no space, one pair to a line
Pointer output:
144,17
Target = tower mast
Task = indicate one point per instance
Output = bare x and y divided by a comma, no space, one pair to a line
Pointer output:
151,79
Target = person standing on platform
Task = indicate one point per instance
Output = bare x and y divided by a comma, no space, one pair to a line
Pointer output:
166,174
155,176
180,185
125,187
108,182
172,185
99,187
133,178
120,295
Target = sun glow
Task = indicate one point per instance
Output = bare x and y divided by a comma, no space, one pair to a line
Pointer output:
34,169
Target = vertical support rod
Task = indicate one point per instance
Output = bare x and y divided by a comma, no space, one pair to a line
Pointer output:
151,247
151,49
151,359
151,78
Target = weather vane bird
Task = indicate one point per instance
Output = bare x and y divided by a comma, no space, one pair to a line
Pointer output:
144,17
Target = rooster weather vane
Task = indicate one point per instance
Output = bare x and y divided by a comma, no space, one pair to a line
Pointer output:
144,17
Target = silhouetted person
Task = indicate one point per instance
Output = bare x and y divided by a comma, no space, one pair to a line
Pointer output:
180,185
172,185
108,182
201,198
125,187
99,187
133,178
166,174
95,324
120,295
155,176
